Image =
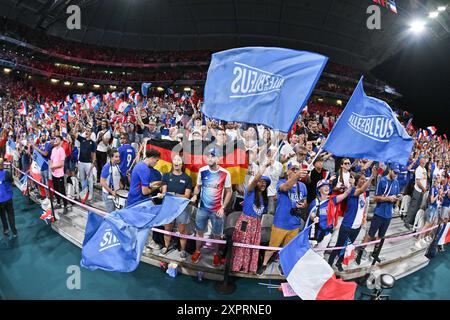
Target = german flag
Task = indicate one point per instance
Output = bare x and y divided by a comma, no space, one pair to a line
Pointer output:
168,149
232,157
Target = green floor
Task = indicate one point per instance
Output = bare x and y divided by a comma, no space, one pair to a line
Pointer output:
34,266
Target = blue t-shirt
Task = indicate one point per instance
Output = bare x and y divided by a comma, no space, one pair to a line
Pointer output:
48,148
386,188
142,175
6,192
283,218
404,176
355,210
434,192
323,212
127,155
250,208
446,201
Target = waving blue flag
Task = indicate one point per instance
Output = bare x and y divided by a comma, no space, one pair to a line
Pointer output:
259,85
40,160
116,242
144,88
368,128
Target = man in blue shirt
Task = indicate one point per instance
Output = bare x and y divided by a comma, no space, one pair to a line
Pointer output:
387,193
291,194
6,203
145,180
127,155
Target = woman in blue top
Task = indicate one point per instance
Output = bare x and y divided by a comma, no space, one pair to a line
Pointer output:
248,225
436,199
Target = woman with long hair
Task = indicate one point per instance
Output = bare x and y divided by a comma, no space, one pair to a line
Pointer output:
179,184
248,225
342,183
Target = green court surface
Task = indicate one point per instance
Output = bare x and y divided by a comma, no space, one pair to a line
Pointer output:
34,266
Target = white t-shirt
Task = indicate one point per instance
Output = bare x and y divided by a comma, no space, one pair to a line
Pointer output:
113,173
421,174
102,146
346,177
231,133
273,172
286,150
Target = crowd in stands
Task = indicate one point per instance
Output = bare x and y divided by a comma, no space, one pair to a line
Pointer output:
285,178
92,52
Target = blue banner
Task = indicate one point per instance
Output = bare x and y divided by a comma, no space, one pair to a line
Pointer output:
116,242
368,128
259,85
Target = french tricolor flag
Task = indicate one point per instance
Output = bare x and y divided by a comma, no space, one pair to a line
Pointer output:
349,254
445,236
432,130
309,275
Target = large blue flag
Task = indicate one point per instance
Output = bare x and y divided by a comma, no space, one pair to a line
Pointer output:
116,242
40,160
368,128
261,85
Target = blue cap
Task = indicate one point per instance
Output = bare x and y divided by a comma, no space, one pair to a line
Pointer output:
395,167
267,180
293,164
322,183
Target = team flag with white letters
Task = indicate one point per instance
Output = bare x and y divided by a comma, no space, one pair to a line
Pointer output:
368,128
116,242
261,85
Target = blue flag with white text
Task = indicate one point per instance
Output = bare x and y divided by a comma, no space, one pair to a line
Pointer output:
368,128
261,85
116,242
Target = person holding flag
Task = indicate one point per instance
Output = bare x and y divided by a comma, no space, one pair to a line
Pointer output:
387,193
6,201
323,212
354,216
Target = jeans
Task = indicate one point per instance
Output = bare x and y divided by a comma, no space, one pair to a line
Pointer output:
414,206
6,208
109,203
85,171
345,233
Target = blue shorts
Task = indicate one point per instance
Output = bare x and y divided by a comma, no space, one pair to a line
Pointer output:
201,221
431,214
183,218
378,224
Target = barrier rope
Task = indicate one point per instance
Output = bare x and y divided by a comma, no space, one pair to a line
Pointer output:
216,241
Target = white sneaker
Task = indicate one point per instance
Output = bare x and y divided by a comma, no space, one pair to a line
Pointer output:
429,239
154,245
418,244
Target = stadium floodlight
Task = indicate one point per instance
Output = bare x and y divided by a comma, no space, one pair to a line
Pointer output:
187,89
339,102
433,14
113,87
160,89
80,84
417,26
96,86
442,8
66,83
54,80
7,70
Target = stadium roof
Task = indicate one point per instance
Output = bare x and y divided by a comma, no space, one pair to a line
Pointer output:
336,28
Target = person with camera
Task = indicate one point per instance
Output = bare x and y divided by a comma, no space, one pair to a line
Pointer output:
291,205
354,216
248,225
386,195
323,213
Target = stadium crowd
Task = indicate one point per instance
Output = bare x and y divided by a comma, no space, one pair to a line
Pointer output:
84,146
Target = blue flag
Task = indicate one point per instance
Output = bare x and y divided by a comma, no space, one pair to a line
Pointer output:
259,85
368,128
40,160
144,88
11,144
116,242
